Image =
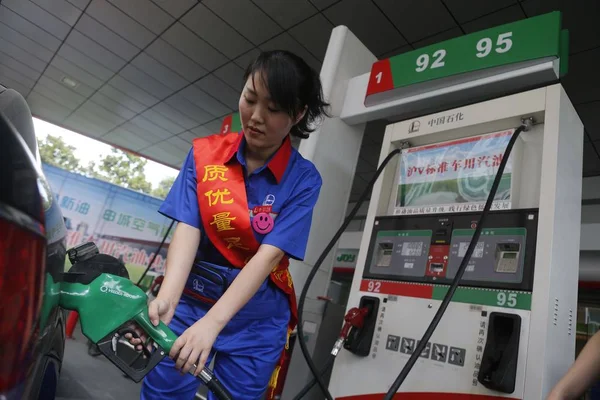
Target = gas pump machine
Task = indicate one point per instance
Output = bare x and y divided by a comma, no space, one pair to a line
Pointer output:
468,264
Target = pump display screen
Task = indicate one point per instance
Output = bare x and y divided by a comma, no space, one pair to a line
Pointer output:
401,253
496,256
477,253
412,249
430,249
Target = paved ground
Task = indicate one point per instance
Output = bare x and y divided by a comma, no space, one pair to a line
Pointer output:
84,377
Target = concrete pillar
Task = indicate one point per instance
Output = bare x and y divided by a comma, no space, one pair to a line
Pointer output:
334,149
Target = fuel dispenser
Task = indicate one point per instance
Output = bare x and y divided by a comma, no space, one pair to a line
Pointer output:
508,329
468,266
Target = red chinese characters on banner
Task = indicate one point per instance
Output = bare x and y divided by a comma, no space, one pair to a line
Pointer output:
456,165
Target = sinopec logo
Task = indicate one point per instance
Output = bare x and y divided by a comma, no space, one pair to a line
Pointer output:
117,292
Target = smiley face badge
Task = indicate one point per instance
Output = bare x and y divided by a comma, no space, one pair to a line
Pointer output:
262,223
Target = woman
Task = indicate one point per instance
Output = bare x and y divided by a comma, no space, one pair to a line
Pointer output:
244,204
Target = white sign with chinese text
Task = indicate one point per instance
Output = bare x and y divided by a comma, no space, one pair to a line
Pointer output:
454,176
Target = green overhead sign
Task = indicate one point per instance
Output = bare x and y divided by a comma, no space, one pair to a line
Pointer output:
530,39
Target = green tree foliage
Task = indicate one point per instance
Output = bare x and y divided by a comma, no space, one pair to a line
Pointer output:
163,187
123,169
54,151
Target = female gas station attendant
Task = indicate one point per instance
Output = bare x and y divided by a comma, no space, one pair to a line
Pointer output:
244,203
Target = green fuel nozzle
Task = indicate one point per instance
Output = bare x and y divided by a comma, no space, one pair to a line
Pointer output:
110,306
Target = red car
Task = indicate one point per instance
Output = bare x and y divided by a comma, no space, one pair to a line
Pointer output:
32,259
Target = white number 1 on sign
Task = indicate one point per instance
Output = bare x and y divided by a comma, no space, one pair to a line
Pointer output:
374,287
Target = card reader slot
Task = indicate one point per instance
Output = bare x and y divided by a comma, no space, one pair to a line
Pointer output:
436,267
385,251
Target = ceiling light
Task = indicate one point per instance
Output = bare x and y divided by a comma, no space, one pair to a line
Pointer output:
69,82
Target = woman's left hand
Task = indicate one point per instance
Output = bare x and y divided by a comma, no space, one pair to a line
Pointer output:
194,345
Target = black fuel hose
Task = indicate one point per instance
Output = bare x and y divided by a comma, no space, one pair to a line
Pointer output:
219,390
162,243
214,385
461,270
315,269
313,381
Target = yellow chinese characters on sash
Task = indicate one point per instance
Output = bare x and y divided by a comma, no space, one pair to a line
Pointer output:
221,193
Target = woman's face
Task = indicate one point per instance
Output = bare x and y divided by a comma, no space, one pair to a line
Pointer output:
264,125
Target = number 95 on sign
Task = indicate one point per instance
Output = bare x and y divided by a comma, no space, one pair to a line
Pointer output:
525,40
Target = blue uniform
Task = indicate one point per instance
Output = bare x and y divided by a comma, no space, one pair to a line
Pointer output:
249,347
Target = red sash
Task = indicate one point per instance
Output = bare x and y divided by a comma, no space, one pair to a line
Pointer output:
221,192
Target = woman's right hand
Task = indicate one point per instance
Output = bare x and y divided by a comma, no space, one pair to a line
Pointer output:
158,310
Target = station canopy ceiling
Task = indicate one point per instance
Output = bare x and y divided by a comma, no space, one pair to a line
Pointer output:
150,75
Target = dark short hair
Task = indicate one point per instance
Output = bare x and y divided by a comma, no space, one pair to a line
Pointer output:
292,85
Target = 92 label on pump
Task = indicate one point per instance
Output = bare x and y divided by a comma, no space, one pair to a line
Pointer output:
374,286
525,40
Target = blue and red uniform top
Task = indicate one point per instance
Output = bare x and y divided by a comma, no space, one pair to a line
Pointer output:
286,187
